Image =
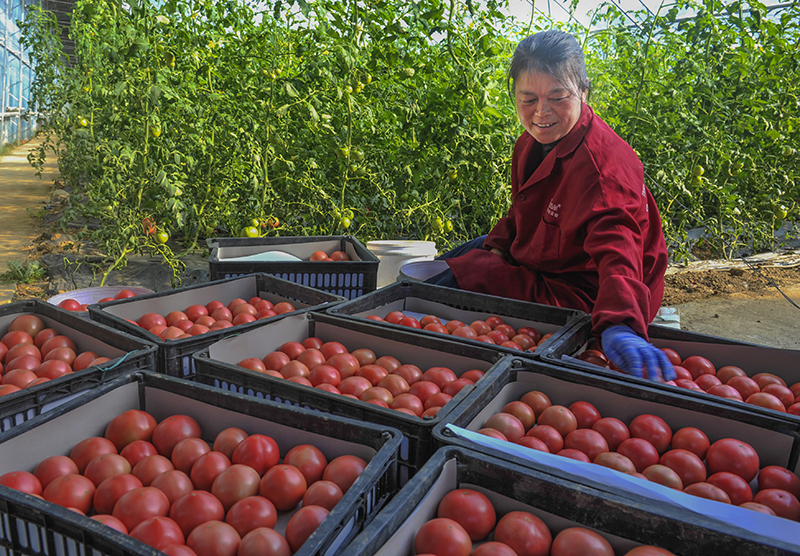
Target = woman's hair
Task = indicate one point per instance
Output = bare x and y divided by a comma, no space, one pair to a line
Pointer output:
554,53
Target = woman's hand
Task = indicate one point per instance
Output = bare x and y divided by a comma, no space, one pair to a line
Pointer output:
631,353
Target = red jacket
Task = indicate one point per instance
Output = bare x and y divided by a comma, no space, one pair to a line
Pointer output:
582,232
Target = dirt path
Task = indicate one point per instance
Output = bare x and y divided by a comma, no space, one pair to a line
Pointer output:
21,196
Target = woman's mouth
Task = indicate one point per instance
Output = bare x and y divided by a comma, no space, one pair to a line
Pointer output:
544,126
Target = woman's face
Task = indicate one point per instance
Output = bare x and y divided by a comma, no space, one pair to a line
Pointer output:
546,109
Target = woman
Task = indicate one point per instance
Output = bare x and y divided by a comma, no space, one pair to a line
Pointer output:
583,231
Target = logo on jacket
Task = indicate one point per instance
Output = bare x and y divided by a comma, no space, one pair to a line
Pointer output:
552,209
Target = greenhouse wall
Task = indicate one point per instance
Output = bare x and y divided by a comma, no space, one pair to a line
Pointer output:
15,75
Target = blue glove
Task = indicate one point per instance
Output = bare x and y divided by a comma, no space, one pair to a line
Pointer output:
630,352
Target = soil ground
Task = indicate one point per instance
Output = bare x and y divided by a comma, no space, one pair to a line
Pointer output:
753,302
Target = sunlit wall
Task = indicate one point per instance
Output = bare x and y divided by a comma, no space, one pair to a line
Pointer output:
15,75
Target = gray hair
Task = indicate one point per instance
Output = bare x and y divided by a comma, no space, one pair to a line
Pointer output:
554,53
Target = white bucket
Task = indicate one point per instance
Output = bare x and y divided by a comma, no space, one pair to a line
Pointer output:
393,254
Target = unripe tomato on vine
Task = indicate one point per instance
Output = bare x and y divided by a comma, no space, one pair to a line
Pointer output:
251,231
155,130
345,222
162,237
83,122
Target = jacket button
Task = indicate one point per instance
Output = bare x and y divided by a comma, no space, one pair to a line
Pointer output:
521,196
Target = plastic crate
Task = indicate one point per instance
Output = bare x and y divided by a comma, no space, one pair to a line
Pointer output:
419,299
777,440
32,527
752,358
175,356
560,504
126,352
217,366
349,279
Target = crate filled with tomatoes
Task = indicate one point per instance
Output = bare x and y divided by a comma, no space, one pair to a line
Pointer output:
188,319
49,354
513,326
356,369
641,442
764,379
341,265
465,503
148,461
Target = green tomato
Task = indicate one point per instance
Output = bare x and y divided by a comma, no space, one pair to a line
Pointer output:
162,237
407,72
251,231
349,89
83,122
788,151
361,172
452,175
698,171
344,152
345,223
155,131
348,214
448,226
367,79
438,224
357,154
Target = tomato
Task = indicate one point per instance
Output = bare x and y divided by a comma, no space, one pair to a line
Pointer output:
734,456
409,402
756,507
511,427
691,439
640,452
293,369
354,385
572,453
585,413
54,467
150,467
522,412
538,401
745,385
22,481
558,417
222,314
734,486
329,349
40,338
423,389
672,355
235,483
23,349
309,460
577,540
6,389
373,373
493,548
698,365
71,491
783,503
344,470
275,361
783,393
686,464
57,342
550,436
172,430
648,550
363,356
323,493
158,532
258,451
214,538
470,509
493,433
725,391
763,379
653,429
110,521
480,327
707,381
709,491
346,363
130,426
139,504
206,469
137,451
173,483
27,323
588,441
465,332
764,399
394,317
613,430
525,533
728,372
88,449
775,476
325,374
19,377
395,384
105,466
284,486
10,339
437,400
253,364
188,451
84,360
443,537
264,541
251,513
194,508
613,460
663,475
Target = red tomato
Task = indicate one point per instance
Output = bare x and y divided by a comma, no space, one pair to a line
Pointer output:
111,490
54,467
640,452
84,360
762,379
19,377
437,400
577,540
781,392
435,327
10,339
258,451
302,524
745,385
756,507
672,355
173,483
323,493
139,504
344,470
572,453
537,400
251,513
691,439
725,391
235,483
26,362
686,464
525,533
364,356
88,449
775,476
585,413
275,360
188,451
194,312
23,349
309,460
252,364
533,443
493,548
493,433
150,320
480,327
57,342
7,389
511,427
465,332
734,486
214,538
470,509
783,503
474,375
295,369
521,411
443,537
550,436
206,469
408,402
158,532
264,541
325,374
354,386
423,389
137,451
329,349
129,426
53,369
728,372
346,363
734,456
410,322
707,381
106,466
558,417
764,399
588,441
110,521
663,475
194,508
394,317
151,467
709,491
22,481
613,430
27,323
698,365
124,294
284,486
373,373
311,357
453,324
648,550
653,429
172,430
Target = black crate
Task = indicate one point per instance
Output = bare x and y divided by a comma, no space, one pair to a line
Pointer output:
625,523
777,440
752,358
217,366
33,527
126,353
349,279
174,357
419,299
